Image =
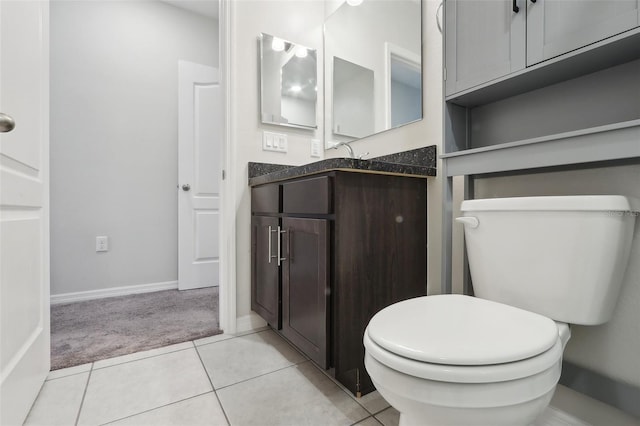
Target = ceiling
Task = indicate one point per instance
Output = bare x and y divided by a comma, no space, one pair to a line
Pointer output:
207,8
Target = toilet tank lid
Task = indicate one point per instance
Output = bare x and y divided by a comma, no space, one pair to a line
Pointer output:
461,330
552,203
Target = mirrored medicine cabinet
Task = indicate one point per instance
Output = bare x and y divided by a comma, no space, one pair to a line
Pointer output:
288,83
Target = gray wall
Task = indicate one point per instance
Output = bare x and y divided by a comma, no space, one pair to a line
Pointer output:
114,75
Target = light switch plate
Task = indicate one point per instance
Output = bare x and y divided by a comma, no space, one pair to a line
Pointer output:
274,142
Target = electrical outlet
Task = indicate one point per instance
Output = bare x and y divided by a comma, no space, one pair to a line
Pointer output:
315,148
102,243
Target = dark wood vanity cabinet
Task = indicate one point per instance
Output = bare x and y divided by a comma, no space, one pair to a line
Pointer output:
350,244
265,269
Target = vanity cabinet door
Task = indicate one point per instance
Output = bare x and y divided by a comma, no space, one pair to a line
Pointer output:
265,272
305,286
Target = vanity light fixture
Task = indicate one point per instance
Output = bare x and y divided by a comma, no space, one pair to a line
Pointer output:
301,52
354,2
277,44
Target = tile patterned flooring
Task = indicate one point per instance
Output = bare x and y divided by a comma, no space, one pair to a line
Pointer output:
255,378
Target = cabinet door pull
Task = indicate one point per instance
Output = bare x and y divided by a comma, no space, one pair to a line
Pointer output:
516,9
269,239
280,258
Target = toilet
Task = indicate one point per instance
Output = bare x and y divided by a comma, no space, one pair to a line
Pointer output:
537,265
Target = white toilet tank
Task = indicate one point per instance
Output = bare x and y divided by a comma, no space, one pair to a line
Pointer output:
562,257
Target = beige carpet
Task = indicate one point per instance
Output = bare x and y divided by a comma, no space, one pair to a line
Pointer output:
89,331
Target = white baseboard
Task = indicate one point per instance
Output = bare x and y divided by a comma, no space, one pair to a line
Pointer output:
249,322
111,292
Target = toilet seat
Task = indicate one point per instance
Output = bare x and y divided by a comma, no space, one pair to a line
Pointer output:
480,341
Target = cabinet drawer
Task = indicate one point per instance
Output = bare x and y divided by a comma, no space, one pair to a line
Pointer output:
310,196
265,199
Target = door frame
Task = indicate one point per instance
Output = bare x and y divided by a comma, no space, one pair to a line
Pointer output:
227,288
403,55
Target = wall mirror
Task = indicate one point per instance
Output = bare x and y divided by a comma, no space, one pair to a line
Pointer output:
373,68
288,83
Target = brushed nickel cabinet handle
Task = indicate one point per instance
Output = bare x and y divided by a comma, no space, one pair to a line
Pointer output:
280,258
269,239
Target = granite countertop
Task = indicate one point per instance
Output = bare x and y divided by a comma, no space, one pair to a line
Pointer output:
419,162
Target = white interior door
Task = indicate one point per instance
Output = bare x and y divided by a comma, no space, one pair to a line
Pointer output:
24,208
199,173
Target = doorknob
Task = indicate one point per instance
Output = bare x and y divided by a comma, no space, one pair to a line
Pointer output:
186,187
7,123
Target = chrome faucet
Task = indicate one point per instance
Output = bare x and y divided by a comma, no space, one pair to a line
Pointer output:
346,145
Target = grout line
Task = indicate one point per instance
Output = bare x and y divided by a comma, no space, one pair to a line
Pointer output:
212,387
341,386
84,394
305,356
380,411
348,392
262,375
35,400
325,372
139,359
248,333
366,418
156,408
68,375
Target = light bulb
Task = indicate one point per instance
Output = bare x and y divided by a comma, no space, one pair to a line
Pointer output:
301,52
277,44
354,2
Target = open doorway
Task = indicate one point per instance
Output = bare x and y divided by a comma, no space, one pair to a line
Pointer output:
114,144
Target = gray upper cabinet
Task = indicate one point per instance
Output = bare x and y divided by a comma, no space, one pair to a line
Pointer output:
555,27
487,40
484,40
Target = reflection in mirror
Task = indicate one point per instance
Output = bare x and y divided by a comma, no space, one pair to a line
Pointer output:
288,83
352,99
373,53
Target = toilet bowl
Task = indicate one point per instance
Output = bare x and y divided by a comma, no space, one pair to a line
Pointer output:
537,263
486,364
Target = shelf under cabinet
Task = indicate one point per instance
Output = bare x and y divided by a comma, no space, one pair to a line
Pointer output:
610,142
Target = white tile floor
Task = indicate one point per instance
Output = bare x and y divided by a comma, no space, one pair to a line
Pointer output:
255,378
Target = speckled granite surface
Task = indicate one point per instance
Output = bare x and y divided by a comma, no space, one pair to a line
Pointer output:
416,162
260,169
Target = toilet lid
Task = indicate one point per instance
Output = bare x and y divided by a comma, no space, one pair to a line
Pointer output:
461,330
